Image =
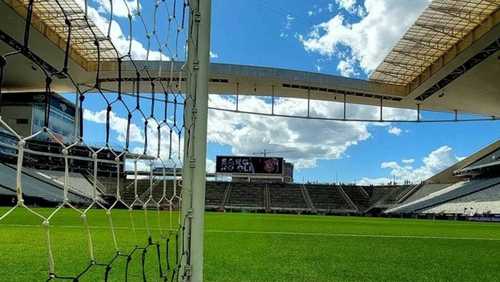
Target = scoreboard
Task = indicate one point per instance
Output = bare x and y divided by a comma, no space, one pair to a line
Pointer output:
243,165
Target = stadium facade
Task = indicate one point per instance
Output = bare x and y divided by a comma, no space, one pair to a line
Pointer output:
25,114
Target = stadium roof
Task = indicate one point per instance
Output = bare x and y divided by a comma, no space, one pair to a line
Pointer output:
447,61
440,33
449,175
49,18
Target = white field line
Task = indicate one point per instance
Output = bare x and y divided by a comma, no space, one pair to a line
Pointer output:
284,233
352,235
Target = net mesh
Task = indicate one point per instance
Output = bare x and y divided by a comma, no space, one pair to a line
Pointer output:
126,139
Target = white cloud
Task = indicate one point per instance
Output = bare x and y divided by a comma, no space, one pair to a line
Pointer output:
121,8
348,5
214,55
352,7
346,67
330,7
436,161
122,43
317,10
370,39
302,141
394,130
408,161
118,125
289,21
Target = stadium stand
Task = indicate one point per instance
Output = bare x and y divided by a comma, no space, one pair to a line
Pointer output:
215,195
76,181
483,202
328,199
449,193
465,188
392,196
127,192
409,192
249,196
359,196
424,190
307,198
377,192
40,190
108,184
267,199
285,197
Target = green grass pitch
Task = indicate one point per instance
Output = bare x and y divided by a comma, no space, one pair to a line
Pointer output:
261,247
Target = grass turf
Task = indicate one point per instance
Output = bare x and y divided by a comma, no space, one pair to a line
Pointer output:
260,247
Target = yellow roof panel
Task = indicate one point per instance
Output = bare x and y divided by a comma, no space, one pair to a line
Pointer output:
441,26
49,18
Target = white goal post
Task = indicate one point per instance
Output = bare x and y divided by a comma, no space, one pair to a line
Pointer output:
195,140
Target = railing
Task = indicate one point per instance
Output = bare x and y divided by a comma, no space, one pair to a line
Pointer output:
267,198
307,198
95,182
410,192
227,192
347,198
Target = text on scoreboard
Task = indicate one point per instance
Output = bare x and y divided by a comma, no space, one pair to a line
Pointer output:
249,165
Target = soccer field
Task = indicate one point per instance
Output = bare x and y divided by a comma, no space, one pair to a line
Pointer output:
261,247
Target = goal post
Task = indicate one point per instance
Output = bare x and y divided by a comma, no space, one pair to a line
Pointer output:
195,140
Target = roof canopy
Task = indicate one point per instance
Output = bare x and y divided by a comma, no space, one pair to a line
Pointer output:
442,25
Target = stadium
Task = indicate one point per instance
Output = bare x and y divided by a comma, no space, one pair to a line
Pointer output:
129,151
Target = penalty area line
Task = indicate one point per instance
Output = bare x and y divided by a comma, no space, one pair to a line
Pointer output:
351,235
283,233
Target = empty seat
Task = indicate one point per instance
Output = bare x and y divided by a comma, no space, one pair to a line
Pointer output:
250,195
286,196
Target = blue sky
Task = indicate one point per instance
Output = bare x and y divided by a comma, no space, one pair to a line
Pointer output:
339,37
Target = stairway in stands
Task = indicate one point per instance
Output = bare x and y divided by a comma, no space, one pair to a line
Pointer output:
307,198
328,199
359,196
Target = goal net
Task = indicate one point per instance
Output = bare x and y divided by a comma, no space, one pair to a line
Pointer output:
93,175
